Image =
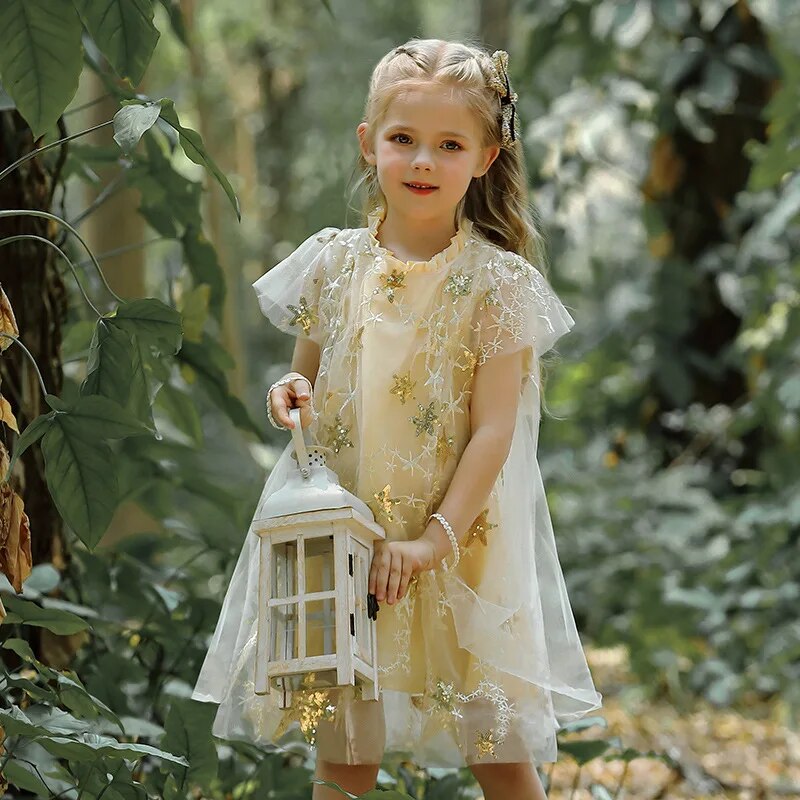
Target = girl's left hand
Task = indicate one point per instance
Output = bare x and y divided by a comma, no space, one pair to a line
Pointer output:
394,564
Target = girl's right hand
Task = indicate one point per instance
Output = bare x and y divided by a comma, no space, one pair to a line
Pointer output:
295,394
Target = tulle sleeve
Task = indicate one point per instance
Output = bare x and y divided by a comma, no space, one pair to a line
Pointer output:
290,293
518,309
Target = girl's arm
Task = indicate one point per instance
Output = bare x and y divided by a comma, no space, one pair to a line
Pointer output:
305,359
493,412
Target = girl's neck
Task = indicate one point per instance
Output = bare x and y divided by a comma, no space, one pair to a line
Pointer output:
413,239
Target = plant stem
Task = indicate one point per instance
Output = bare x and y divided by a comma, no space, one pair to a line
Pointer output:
10,239
28,156
47,215
33,360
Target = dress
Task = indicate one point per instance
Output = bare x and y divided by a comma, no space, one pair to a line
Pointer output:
479,664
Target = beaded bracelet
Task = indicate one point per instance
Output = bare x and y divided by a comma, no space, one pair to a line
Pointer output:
292,376
453,540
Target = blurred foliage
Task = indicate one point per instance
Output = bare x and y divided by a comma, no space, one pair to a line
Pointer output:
662,141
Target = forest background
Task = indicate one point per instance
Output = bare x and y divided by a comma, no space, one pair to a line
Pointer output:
663,145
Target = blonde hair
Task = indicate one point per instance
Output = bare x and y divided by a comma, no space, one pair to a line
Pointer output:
497,202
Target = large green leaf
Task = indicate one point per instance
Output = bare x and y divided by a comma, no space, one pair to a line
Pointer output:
108,368
41,57
124,32
61,622
81,478
192,145
153,322
188,732
96,418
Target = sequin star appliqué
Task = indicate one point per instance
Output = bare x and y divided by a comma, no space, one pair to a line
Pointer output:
479,529
403,386
304,315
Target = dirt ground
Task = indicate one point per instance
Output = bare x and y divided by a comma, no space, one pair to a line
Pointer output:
721,754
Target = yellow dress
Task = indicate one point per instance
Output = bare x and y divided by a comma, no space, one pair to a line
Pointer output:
482,663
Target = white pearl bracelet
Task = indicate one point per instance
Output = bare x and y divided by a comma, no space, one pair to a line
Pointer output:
453,540
292,376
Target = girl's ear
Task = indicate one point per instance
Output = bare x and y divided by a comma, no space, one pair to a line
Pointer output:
364,143
489,155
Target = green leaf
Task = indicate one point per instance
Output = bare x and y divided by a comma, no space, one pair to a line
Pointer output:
23,777
41,58
188,732
97,418
131,122
153,322
181,409
192,145
201,259
201,358
124,32
109,366
35,430
81,479
61,622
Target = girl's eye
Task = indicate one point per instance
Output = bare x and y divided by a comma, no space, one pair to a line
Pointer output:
457,145
397,136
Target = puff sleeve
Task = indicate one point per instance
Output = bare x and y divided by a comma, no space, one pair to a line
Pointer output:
291,294
518,309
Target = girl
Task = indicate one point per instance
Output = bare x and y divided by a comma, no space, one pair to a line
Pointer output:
419,339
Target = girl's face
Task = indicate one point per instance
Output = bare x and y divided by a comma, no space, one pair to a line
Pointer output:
428,136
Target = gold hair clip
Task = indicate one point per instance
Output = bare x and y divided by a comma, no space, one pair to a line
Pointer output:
500,82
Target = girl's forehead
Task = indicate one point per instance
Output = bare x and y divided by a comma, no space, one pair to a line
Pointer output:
434,108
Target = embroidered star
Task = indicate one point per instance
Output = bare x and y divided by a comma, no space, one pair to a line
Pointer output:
458,284
336,435
385,502
436,379
394,280
485,743
471,360
489,298
304,315
479,529
427,419
403,386
444,697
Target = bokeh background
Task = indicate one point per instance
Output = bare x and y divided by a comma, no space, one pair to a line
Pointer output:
662,140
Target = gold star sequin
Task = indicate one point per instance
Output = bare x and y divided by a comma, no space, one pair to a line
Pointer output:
385,502
479,529
485,743
458,284
336,435
489,298
309,707
394,280
444,447
471,360
403,386
444,697
304,315
427,418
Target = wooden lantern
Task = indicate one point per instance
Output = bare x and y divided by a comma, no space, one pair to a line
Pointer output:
316,543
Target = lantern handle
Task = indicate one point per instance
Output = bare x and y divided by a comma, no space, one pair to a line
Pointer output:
299,442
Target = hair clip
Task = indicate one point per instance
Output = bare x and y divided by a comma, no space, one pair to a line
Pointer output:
500,82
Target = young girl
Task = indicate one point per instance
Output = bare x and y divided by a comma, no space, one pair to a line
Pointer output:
419,339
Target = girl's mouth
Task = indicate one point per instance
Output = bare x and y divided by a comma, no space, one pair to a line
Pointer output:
420,188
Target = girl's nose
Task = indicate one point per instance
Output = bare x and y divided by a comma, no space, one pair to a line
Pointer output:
422,158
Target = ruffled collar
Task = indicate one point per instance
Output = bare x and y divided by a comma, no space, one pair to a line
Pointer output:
441,259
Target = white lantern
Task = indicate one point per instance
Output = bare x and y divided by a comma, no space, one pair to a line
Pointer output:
316,624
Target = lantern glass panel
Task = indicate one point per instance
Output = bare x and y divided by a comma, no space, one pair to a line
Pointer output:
319,564
320,679
361,564
284,570
320,627
284,634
